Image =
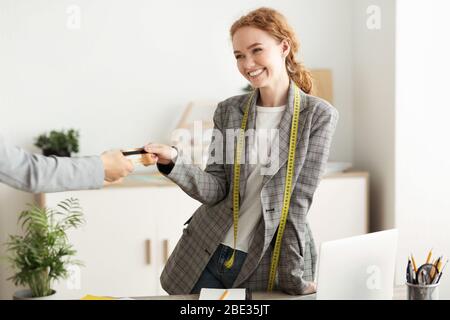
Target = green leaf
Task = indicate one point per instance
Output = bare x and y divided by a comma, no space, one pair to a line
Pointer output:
59,142
43,253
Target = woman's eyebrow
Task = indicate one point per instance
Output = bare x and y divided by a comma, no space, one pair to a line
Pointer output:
253,45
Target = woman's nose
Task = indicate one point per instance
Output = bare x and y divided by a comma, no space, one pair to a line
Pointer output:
248,64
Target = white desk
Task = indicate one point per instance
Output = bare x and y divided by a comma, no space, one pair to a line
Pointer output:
399,294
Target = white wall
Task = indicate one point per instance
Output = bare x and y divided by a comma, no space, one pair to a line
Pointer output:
374,105
422,132
124,77
401,114
126,74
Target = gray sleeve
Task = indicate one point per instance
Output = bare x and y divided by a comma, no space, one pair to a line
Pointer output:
208,186
36,173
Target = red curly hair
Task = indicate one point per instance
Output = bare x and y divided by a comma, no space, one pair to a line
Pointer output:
276,25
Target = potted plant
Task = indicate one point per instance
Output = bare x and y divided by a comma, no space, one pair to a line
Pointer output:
43,253
58,143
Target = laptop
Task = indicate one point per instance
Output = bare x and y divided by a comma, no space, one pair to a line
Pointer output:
358,268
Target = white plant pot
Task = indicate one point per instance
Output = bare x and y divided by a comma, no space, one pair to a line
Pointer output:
26,295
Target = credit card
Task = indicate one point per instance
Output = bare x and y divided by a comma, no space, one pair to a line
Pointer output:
135,151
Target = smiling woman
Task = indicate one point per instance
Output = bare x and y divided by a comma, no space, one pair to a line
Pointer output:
265,47
251,231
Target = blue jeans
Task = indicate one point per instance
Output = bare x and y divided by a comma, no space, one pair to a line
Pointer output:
216,275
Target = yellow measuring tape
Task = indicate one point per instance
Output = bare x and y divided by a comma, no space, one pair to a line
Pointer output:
287,188
236,179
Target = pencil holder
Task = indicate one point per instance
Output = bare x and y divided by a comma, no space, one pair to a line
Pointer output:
422,292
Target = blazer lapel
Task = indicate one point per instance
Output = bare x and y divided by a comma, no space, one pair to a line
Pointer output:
284,134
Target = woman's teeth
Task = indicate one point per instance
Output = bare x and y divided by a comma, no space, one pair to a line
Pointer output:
256,73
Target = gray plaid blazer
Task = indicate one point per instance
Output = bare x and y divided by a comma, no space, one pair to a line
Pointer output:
208,225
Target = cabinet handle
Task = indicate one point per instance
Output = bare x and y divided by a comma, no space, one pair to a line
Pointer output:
148,251
166,250
39,198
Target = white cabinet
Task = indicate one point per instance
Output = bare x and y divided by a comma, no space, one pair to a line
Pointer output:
340,207
128,235
131,229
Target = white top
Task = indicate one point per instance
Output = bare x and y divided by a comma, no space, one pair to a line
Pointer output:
267,122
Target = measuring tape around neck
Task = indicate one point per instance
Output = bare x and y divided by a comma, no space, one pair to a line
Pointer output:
287,188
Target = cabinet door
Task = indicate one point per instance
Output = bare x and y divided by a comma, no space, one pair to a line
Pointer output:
339,209
112,243
170,218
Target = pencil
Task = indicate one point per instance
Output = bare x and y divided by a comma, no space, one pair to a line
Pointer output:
429,256
437,261
439,265
433,273
414,263
440,274
224,295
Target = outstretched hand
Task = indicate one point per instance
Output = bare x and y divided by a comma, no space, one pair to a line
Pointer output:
160,153
116,166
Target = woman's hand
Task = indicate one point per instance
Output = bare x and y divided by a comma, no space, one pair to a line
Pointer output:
311,288
163,154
